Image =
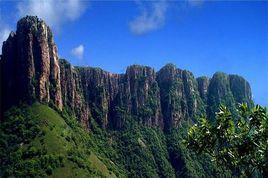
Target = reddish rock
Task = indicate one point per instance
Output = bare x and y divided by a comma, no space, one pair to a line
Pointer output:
30,64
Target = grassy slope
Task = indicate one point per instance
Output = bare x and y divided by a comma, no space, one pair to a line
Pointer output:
58,139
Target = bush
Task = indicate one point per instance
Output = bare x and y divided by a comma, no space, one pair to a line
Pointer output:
238,143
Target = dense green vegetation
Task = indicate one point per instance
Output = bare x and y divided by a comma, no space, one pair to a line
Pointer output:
240,144
39,141
148,152
187,163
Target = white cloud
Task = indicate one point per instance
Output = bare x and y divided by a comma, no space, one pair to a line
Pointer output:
152,17
54,12
4,31
78,51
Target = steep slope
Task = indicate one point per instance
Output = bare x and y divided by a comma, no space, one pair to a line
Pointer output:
30,63
203,83
38,141
180,99
240,89
228,90
219,92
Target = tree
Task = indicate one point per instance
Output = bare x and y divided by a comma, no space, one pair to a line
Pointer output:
239,144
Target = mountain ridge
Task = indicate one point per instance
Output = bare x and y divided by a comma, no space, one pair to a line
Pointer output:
161,98
88,122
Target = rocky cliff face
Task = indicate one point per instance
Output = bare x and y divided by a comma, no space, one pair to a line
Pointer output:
31,71
72,93
108,97
180,98
98,89
229,90
145,94
203,83
240,89
30,64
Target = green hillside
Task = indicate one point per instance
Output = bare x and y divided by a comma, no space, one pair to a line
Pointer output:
39,141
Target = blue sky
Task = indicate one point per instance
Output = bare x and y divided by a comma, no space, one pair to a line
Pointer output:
200,36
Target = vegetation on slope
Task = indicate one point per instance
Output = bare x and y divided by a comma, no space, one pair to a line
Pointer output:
37,141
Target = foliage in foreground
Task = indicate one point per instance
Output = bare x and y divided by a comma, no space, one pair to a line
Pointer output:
240,144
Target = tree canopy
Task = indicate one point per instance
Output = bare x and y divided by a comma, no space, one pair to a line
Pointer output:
239,144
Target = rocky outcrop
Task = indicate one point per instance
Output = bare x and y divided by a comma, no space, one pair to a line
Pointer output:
111,98
145,95
30,64
31,71
229,90
98,89
172,95
203,83
219,92
240,89
180,98
72,93
195,104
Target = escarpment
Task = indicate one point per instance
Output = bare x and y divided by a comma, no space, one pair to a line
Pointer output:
240,89
203,83
180,98
107,97
31,71
30,64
